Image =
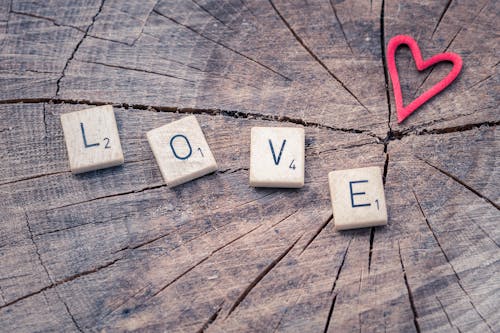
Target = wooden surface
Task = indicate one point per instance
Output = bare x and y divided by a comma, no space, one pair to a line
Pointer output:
116,250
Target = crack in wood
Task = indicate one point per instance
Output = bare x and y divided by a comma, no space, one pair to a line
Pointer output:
36,246
452,40
254,200
2,297
384,64
24,70
283,219
410,295
330,314
60,282
206,233
247,8
481,81
318,231
259,277
69,313
210,14
144,189
143,25
447,260
423,82
337,276
398,135
58,83
445,9
482,230
456,179
446,314
230,171
434,234
78,226
8,15
344,147
140,245
217,75
284,313
314,56
35,177
121,304
341,26
13,277
384,179
341,265
223,45
421,129
211,319
386,164
136,70
391,135
179,276
45,125
149,241
49,19
199,263
370,250
54,21
47,272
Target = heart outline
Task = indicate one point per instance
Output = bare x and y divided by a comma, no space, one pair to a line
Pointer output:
404,111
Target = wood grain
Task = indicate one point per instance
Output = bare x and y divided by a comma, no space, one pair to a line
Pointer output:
116,250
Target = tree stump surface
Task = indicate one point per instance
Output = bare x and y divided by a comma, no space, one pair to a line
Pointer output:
115,249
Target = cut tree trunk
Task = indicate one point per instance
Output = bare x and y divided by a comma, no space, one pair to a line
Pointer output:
116,249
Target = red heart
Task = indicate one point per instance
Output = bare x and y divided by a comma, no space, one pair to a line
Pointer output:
394,43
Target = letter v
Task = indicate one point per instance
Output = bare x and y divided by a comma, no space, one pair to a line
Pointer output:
277,161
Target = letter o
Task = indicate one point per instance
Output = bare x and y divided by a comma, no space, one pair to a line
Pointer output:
173,150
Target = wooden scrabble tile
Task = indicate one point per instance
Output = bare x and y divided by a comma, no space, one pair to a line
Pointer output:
181,151
358,198
277,157
92,139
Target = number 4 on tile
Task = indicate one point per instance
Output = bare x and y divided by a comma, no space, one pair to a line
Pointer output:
277,157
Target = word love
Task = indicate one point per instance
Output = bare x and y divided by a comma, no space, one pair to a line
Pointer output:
277,159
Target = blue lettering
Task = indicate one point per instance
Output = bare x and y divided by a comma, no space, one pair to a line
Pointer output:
85,139
357,193
173,150
277,160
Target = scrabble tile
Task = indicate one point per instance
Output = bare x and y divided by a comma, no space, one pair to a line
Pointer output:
277,157
358,198
181,151
92,139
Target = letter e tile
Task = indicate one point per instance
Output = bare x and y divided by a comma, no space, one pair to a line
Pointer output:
358,198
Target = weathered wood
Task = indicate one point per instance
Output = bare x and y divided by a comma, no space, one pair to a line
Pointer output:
116,249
